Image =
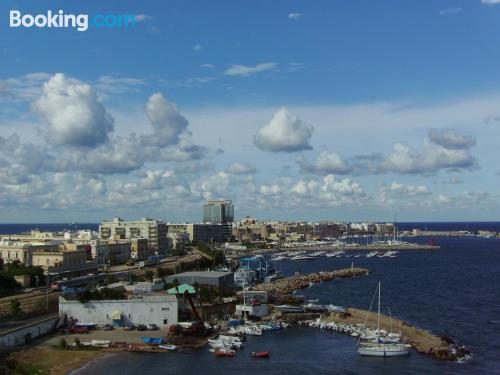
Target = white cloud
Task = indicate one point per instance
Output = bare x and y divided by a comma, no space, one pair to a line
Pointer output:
490,2
240,168
398,190
446,11
243,71
294,15
286,132
26,87
73,113
327,162
166,119
110,84
451,139
406,160
197,47
447,149
208,66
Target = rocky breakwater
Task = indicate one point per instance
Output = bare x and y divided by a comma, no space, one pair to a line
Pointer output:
439,347
287,285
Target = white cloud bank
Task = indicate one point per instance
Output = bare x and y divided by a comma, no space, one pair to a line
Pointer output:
73,113
286,132
244,71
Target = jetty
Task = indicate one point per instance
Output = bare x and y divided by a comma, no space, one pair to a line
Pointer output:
439,347
287,285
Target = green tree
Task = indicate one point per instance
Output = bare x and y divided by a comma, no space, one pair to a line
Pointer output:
15,307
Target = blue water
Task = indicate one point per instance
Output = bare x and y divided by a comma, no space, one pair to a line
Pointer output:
454,291
471,226
46,227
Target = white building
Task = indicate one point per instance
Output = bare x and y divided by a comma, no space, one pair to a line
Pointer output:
161,310
111,252
155,231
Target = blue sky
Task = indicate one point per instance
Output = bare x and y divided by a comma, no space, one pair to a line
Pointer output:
348,110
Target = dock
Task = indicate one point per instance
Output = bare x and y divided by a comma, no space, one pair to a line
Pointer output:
287,285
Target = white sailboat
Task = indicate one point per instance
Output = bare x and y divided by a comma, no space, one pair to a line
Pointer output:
379,348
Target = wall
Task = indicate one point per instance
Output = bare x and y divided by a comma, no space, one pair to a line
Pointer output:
23,334
136,311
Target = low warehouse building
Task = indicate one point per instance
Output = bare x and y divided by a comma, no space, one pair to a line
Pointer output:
158,309
215,279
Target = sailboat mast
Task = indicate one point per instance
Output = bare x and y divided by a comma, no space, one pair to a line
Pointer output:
378,312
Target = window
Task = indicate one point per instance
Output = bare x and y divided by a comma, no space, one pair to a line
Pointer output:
165,321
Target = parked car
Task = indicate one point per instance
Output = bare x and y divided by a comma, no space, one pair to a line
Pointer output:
128,327
142,327
152,327
108,327
78,330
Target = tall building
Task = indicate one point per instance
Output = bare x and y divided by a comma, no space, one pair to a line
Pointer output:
218,212
155,231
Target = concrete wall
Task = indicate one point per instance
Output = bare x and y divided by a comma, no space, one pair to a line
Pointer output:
24,334
162,312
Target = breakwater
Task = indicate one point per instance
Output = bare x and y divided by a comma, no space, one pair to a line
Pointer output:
439,347
287,285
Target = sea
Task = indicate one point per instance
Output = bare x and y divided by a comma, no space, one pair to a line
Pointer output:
454,291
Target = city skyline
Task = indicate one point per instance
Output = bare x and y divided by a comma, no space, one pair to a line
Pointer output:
297,113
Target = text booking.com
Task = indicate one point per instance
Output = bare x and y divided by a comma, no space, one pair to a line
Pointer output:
80,22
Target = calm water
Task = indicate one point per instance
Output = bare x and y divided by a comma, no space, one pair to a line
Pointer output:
454,291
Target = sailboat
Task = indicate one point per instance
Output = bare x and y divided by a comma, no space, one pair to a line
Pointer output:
379,348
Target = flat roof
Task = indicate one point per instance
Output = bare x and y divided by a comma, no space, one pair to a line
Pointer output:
201,274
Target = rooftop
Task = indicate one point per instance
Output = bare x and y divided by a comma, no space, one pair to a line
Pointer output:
201,274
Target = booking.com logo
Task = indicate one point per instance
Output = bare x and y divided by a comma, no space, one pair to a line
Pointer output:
80,22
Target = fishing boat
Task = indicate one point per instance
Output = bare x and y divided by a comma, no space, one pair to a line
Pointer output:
170,348
224,353
379,348
260,354
372,254
153,340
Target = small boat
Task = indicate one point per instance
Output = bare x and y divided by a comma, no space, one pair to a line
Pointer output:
170,348
153,340
302,257
314,300
145,349
224,353
260,354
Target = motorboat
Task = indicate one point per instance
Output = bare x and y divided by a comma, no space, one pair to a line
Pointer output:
170,348
260,354
302,257
224,353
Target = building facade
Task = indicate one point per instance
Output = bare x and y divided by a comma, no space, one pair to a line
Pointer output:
155,231
161,310
218,212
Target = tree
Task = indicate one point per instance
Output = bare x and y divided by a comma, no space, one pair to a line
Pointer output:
15,307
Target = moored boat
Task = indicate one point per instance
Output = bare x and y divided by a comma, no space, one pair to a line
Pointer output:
260,354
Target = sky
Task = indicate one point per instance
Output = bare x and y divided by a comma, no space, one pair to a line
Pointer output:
295,110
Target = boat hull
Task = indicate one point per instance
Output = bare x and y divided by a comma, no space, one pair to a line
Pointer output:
382,352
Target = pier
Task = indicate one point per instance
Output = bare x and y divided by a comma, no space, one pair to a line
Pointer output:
287,285
439,347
